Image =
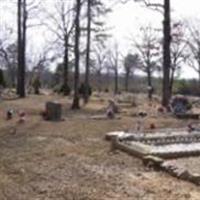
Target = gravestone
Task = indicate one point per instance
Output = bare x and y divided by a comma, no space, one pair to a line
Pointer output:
54,111
180,105
113,106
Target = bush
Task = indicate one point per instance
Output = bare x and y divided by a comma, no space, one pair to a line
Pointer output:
82,90
2,80
62,89
65,89
187,87
106,90
36,85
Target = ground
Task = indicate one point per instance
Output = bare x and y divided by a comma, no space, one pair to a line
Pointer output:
71,160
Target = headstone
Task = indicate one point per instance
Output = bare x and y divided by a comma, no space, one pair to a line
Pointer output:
22,117
180,105
54,111
9,114
110,113
112,106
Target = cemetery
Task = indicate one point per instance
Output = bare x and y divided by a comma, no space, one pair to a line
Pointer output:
99,100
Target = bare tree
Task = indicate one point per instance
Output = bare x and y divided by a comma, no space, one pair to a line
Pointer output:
24,13
113,63
131,62
194,48
178,51
166,11
75,104
148,49
8,57
96,9
99,57
21,50
87,67
8,54
61,24
166,54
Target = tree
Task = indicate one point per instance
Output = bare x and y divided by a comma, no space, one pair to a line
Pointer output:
193,43
95,10
113,63
166,11
166,94
61,24
178,51
8,54
75,104
99,61
20,85
131,61
87,67
2,80
22,26
8,57
148,49
39,63
23,11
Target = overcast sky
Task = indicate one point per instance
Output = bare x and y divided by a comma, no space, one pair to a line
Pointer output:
126,20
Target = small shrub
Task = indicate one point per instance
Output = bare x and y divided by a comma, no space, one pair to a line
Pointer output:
106,90
2,80
82,90
62,89
36,85
187,87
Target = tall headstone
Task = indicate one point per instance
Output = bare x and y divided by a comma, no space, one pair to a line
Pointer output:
54,111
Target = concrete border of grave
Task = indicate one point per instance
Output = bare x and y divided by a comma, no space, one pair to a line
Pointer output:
187,115
183,174
136,149
138,145
146,145
161,164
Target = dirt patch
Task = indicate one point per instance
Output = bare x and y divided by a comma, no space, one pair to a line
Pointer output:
71,160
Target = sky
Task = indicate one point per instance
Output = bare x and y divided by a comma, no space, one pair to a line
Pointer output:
125,21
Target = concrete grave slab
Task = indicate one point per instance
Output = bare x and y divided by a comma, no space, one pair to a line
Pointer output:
167,151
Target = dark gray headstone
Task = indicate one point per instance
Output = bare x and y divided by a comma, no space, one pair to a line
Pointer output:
54,111
180,105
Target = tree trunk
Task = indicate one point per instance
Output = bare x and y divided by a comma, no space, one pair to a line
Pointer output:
75,104
66,67
23,69
127,81
19,47
13,78
99,81
149,80
172,80
107,79
166,54
22,18
87,67
199,78
116,81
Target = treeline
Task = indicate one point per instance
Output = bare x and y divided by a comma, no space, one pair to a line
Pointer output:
80,41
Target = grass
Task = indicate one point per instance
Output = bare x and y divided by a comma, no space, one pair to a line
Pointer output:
71,160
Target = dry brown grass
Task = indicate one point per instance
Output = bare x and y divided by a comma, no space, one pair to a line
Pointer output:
70,160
